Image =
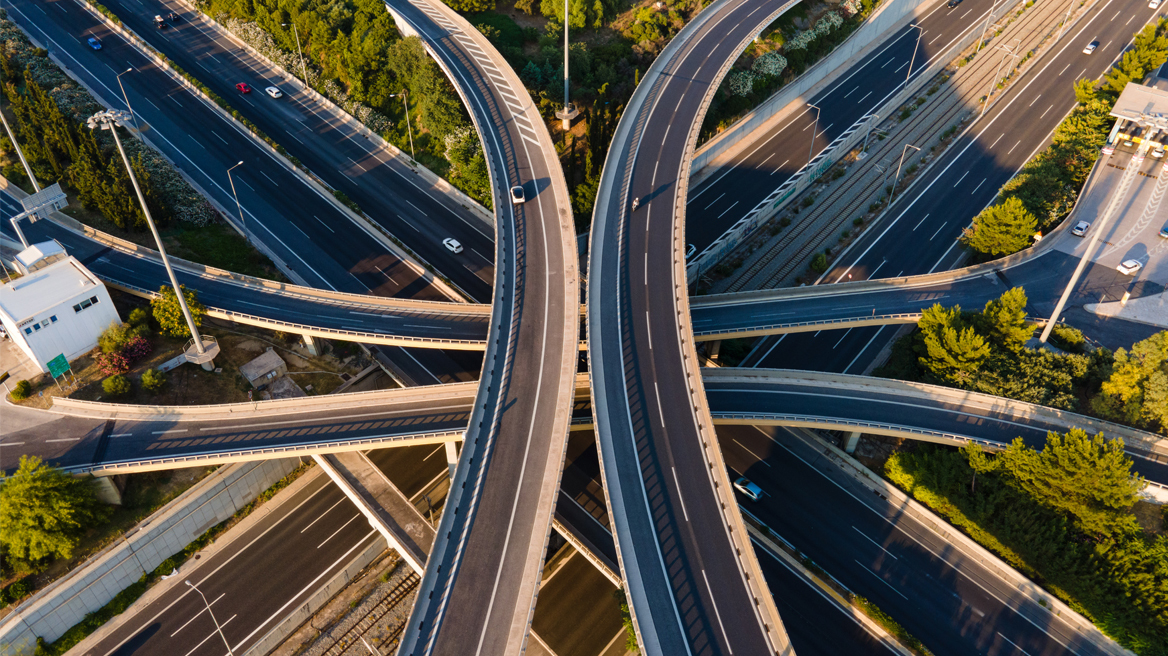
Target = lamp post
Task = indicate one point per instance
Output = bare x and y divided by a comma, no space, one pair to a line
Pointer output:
127,99
303,70
238,207
913,60
212,614
405,98
895,179
814,129
1070,6
110,120
27,169
997,77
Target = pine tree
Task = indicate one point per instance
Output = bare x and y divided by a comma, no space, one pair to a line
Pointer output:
1004,320
44,511
1001,229
952,351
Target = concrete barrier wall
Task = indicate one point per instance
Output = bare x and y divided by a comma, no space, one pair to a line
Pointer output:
54,610
892,15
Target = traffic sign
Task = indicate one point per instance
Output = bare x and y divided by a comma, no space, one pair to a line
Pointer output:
58,366
49,199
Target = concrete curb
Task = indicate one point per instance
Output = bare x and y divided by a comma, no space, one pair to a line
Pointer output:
1027,588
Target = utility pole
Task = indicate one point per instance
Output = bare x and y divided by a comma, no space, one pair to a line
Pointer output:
895,179
19,153
989,17
238,207
110,120
872,120
303,71
127,99
405,99
814,129
212,614
1006,52
920,33
1070,6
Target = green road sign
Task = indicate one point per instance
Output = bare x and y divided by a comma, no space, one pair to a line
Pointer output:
58,365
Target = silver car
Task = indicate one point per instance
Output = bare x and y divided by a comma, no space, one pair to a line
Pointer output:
1129,267
1080,228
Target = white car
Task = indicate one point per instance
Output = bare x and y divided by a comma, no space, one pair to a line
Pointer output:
1158,153
274,92
1154,4
452,245
1090,47
749,489
1129,267
1080,228
517,195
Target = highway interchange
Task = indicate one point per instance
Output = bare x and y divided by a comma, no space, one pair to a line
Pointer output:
469,62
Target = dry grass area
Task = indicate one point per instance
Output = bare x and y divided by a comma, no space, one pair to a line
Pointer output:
190,385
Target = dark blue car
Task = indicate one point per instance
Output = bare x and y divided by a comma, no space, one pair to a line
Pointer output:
95,43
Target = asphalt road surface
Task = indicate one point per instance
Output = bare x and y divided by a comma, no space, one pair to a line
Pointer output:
945,198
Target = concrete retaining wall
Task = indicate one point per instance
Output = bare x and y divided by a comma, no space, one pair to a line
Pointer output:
54,610
892,15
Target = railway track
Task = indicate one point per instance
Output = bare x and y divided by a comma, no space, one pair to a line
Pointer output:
397,594
952,99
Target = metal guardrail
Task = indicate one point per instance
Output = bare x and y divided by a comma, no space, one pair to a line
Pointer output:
708,335
835,423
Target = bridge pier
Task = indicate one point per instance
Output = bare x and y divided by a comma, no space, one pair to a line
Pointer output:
850,442
451,457
310,344
107,491
712,350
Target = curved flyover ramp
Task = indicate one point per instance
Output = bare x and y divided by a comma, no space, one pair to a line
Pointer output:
412,322
478,593
694,584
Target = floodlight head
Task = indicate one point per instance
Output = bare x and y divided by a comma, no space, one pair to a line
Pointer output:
109,118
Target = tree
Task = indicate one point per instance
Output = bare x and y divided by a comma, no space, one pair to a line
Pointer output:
1001,229
1004,320
952,351
153,380
1137,390
1088,478
168,313
116,385
44,511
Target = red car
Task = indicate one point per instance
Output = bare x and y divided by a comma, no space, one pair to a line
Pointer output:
243,88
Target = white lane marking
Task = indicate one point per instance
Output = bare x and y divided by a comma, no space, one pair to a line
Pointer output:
861,100
727,209
172,430
122,435
961,178
873,274
321,516
1035,100
660,408
1047,110
323,223
890,586
717,614
756,456
334,533
878,545
768,353
64,439
1009,640
201,610
866,345
648,327
854,89
997,140
920,222
720,197
269,178
1014,146
677,484
978,186
938,232
210,635
841,339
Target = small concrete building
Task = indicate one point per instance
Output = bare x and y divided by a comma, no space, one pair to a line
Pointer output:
264,369
56,308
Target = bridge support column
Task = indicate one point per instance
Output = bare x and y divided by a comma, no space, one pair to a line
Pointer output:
451,457
713,349
850,442
310,343
107,491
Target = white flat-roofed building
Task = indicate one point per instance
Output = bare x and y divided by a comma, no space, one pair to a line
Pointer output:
57,308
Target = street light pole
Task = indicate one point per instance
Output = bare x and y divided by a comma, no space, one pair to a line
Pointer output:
303,70
238,207
1070,6
109,120
871,121
814,129
212,614
20,154
127,99
895,179
997,77
920,33
405,98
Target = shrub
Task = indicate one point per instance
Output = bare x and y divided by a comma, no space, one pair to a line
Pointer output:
113,339
1068,339
112,364
153,380
21,391
136,349
858,221
116,385
819,263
